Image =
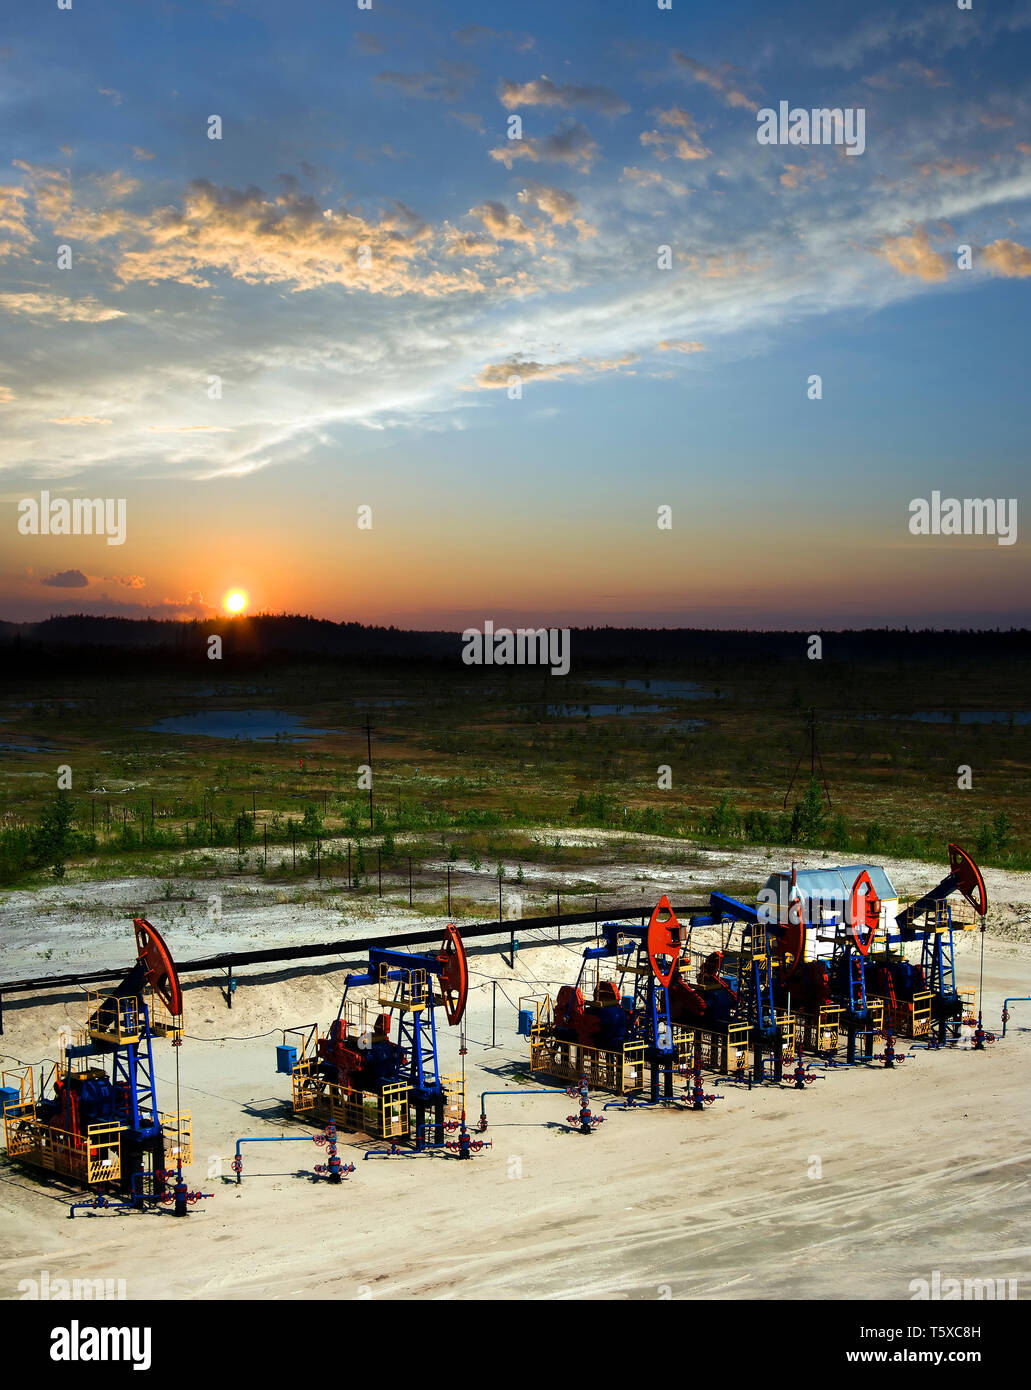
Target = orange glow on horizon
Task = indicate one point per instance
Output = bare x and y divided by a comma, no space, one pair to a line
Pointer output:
235,601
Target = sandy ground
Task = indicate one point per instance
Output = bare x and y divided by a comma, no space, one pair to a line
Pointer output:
855,1187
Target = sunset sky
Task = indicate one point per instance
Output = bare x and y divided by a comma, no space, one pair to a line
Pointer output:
365,258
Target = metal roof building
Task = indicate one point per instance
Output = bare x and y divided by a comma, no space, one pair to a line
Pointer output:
824,894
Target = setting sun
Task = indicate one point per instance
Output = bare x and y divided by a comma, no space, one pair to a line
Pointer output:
236,601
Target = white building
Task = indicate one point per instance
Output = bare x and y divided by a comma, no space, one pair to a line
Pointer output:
826,896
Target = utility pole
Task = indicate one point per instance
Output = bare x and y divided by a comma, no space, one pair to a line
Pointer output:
368,744
449,890
814,758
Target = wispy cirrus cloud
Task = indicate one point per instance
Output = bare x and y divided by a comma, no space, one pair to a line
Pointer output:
448,82
722,80
79,420
45,305
499,374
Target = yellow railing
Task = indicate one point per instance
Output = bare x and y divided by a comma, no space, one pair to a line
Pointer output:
605,1070
542,1013
91,1159
410,992
305,1084
384,1115
178,1132
454,1097
738,1049
393,1110
821,1032
305,1038
112,1020
356,1016
104,1152
20,1079
163,1023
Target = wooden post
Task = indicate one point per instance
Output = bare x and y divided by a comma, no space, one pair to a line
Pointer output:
449,890
409,880
318,857
293,843
264,832
350,880
379,868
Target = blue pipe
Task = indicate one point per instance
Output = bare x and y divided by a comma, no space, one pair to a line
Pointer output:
407,1153
537,1091
270,1139
136,1200
1025,999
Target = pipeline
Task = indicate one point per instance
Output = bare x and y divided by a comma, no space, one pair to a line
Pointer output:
1025,999
231,961
630,1102
137,1200
269,1139
537,1091
395,1150
102,1203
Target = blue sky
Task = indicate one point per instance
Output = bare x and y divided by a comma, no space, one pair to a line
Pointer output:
385,383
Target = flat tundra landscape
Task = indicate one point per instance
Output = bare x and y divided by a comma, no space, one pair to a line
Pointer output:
861,1186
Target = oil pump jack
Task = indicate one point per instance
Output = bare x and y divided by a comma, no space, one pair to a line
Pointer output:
366,1077
95,1120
